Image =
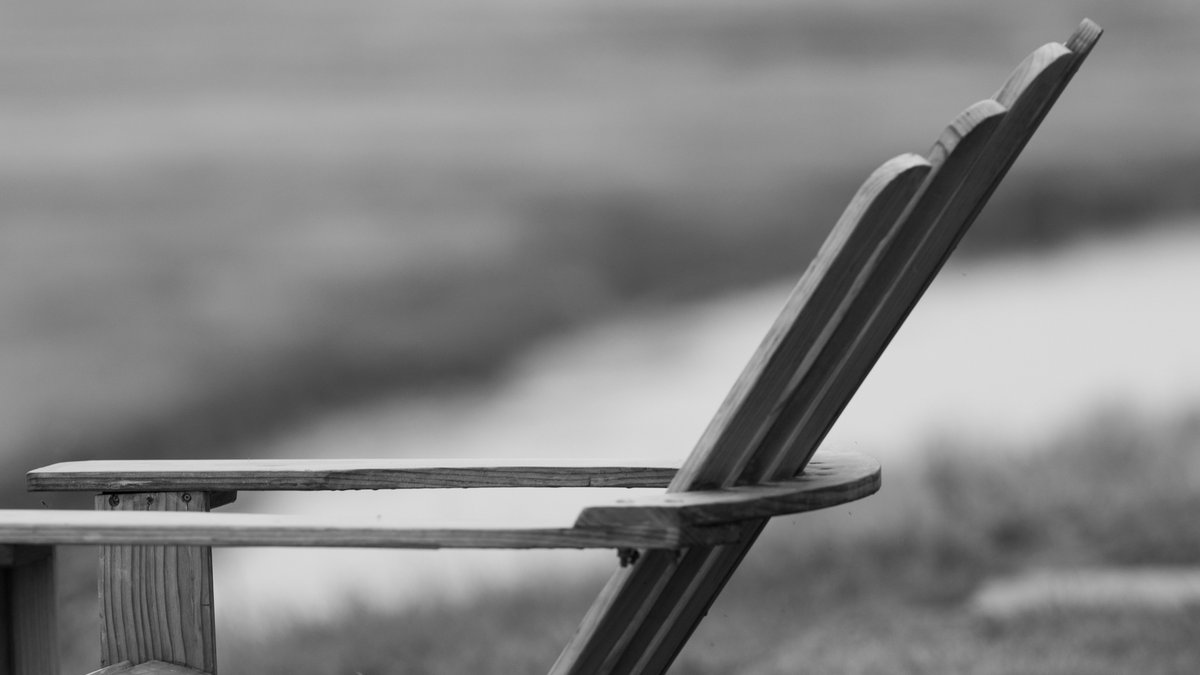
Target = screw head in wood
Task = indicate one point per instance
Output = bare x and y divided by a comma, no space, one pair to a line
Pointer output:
628,556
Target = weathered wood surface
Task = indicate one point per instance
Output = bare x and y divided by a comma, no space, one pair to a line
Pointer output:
647,612
658,646
28,627
872,316
812,407
793,343
345,474
670,521
644,596
265,530
148,668
830,479
156,600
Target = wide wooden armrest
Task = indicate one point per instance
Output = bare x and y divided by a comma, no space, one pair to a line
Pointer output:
669,521
344,474
831,478
183,528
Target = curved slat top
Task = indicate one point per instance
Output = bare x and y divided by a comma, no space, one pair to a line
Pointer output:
344,474
886,291
803,328
1084,37
182,528
1029,70
972,120
645,614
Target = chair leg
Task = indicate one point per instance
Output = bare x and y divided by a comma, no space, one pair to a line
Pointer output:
156,602
28,624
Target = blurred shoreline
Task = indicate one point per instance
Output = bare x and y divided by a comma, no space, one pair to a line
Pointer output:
1002,357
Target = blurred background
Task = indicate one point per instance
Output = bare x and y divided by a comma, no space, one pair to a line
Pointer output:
415,228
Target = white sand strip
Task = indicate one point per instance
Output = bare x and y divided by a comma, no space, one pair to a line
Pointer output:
1046,591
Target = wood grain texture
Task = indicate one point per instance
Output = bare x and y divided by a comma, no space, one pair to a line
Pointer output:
263,530
1085,37
1050,55
791,346
877,311
1031,91
623,635
960,186
814,407
799,424
829,480
28,622
148,668
637,595
337,474
966,172
156,601
623,606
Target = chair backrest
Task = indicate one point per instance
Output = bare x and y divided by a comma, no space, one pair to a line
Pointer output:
880,257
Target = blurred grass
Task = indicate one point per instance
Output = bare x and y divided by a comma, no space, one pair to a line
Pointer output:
881,586
220,217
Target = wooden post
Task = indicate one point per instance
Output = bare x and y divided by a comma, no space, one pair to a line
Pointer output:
156,602
28,626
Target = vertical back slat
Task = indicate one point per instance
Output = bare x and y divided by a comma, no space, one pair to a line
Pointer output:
646,613
804,417
744,416
1028,94
816,403
815,306
1030,91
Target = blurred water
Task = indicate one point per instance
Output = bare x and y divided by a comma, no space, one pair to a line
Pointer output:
1009,351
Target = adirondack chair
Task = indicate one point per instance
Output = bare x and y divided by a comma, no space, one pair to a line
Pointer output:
757,459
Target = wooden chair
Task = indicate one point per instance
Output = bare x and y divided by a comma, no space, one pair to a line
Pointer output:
678,549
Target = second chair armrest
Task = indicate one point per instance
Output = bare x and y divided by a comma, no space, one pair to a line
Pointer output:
183,528
671,521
